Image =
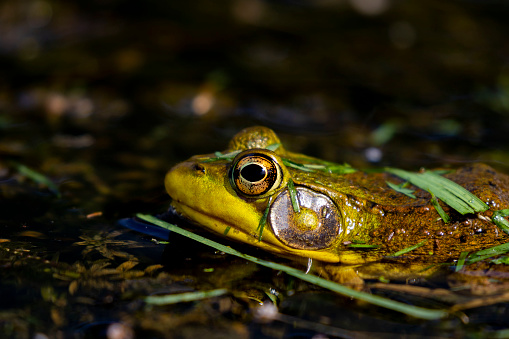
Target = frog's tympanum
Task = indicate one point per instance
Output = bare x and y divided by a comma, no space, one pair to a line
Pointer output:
258,193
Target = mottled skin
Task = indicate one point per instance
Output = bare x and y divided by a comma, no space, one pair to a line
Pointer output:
371,212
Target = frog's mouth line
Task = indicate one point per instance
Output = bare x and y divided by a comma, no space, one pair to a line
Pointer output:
182,210
219,226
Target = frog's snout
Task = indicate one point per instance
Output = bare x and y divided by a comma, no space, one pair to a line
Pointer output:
175,178
182,176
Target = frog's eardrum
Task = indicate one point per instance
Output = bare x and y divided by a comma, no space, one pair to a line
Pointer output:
315,227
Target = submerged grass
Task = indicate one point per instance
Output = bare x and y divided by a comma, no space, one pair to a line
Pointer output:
461,261
183,297
415,311
38,178
488,253
466,259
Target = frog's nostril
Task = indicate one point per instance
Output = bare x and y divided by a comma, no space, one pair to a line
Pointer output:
199,168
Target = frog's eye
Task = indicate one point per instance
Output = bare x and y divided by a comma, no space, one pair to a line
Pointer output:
316,226
255,173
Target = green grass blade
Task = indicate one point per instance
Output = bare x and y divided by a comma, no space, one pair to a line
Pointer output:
400,189
293,196
341,169
183,297
446,190
273,147
434,201
488,253
38,178
415,311
499,219
408,249
292,164
495,250
263,219
461,261
221,156
363,246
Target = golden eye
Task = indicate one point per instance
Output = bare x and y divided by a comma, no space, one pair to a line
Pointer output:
255,173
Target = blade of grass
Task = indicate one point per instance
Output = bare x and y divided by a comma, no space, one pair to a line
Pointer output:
292,164
446,190
183,297
221,156
461,261
495,250
400,189
341,169
434,201
273,147
38,178
502,260
499,219
488,253
408,249
263,220
293,196
415,311
363,246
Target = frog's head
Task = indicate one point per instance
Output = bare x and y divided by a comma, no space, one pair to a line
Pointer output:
231,192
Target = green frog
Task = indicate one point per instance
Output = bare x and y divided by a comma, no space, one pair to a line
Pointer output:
351,221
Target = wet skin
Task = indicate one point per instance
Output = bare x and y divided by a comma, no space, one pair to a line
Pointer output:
229,193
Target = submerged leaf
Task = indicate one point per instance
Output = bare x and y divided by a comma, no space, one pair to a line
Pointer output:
127,265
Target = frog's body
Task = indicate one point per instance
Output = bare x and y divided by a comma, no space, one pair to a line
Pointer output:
336,210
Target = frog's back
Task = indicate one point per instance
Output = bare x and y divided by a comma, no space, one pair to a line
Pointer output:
409,221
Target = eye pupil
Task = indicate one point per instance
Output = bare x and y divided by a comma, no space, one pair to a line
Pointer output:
253,172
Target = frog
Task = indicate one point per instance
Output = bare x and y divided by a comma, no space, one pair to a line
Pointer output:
350,221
